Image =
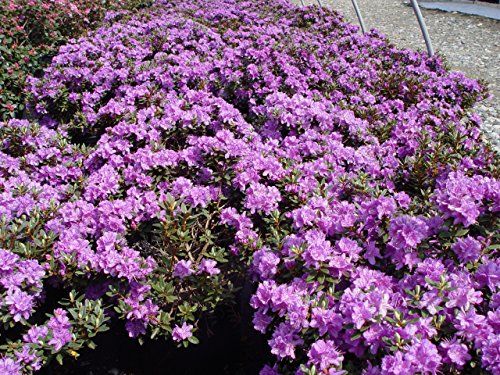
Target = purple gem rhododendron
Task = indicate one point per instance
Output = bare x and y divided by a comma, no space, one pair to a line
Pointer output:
182,150
183,332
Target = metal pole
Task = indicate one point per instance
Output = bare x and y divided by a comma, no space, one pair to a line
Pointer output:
421,22
360,17
302,2
319,3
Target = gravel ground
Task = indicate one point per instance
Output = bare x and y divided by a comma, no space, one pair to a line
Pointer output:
469,43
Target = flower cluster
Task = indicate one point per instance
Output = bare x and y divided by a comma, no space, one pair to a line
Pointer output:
31,31
177,149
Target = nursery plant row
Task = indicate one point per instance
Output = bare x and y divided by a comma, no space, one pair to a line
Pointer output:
184,150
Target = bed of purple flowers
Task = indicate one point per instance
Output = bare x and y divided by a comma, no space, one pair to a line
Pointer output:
181,152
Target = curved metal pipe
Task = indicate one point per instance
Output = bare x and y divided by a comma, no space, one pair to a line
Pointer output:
423,28
360,17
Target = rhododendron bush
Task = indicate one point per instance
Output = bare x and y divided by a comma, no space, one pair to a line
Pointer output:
31,32
182,150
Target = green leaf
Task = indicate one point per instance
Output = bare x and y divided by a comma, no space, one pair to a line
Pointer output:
193,340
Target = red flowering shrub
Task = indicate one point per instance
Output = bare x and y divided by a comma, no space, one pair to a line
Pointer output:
30,33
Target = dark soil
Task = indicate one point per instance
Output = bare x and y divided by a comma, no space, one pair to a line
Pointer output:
230,346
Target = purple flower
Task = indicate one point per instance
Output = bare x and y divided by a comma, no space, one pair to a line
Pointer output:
262,198
284,341
135,328
265,263
231,217
208,266
348,247
261,321
182,333
304,216
490,356
494,320
102,183
455,352
407,232
8,261
472,326
183,269
403,199
325,355
32,272
424,357
181,186
28,356
61,329
238,119
467,249
318,249
326,321
459,197
20,304
269,370
463,295
144,311
262,297
488,274
198,196
396,365
9,367
35,334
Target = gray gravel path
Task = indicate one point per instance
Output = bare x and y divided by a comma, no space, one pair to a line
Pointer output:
469,43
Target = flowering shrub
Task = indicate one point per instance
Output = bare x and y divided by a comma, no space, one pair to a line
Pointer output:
31,32
182,150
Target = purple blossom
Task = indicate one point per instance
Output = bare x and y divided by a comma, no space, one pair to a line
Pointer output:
35,334
7,261
261,321
20,304
318,249
224,112
348,247
265,263
326,321
407,232
455,352
284,341
491,354
424,357
28,356
232,217
183,332
102,183
460,197
472,326
396,365
9,367
467,249
262,198
488,275
324,354
60,328
135,328
208,266
266,370
183,269
32,272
